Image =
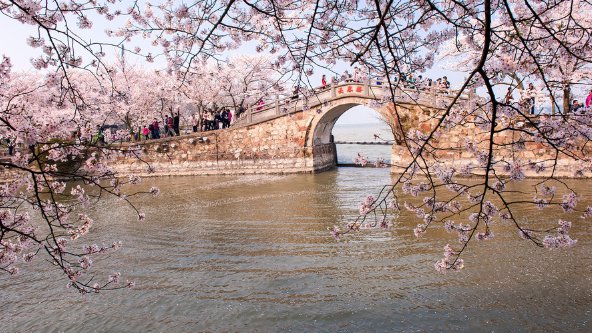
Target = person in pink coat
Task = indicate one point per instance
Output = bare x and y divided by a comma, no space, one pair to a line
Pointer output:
589,99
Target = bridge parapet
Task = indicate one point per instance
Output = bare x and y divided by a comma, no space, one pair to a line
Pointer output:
280,107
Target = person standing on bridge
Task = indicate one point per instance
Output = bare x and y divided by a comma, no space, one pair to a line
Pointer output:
10,143
410,81
357,75
176,121
295,92
575,106
589,99
170,125
224,118
194,122
346,77
508,98
218,120
155,129
208,121
420,83
324,82
445,84
530,98
260,104
240,111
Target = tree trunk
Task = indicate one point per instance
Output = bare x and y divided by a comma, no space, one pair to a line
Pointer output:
519,84
566,98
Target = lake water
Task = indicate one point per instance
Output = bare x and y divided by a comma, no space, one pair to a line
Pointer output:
362,133
252,254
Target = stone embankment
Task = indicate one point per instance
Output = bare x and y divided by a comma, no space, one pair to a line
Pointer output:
533,159
276,146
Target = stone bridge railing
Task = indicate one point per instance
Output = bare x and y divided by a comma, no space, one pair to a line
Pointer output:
280,107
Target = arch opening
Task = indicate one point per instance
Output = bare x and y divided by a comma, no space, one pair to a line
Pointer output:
346,130
362,130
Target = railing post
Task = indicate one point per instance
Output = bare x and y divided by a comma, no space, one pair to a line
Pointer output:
333,94
250,115
277,104
367,88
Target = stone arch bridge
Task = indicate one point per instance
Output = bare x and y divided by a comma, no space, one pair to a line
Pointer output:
289,135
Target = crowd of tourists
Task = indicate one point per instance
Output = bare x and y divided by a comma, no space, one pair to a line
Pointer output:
200,122
211,120
530,94
439,85
408,80
169,127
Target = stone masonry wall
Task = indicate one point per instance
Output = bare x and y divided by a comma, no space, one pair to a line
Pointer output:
452,149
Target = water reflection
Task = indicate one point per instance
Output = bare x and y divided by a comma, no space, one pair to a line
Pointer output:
253,254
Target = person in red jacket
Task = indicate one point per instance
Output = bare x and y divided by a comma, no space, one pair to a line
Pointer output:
155,129
589,99
170,127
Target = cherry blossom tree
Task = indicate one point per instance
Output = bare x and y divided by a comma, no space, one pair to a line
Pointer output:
138,95
236,81
246,79
56,170
51,113
58,165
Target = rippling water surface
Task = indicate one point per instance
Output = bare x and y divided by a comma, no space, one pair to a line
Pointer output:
253,254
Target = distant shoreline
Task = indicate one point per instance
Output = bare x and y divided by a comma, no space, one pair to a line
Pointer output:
358,124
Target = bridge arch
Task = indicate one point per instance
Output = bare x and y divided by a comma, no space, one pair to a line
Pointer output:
300,128
320,128
318,140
